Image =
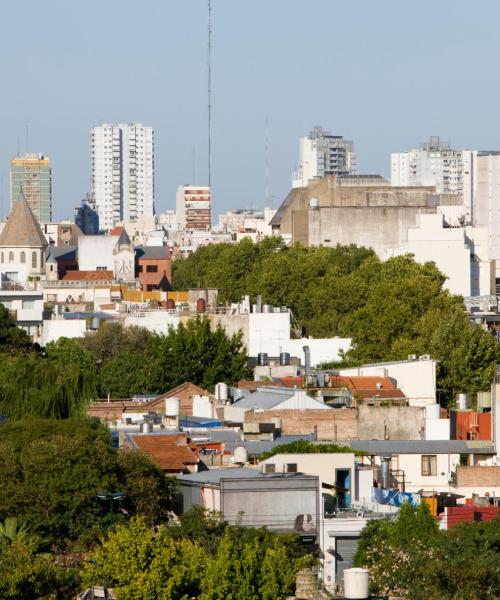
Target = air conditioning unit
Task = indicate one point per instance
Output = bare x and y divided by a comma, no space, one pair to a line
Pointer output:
425,357
412,357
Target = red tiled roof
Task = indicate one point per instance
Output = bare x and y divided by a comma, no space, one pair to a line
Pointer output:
171,452
88,276
184,392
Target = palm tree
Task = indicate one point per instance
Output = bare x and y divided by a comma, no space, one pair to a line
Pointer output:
10,529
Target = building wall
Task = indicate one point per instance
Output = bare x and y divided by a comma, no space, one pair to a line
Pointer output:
415,378
411,464
58,328
383,228
161,279
333,425
390,422
283,504
430,241
96,252
478,477
12,267
321,465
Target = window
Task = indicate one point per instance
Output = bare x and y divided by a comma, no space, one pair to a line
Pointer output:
429,465
270,468
33,260
23,257
101,268
152,268
291,468
11,257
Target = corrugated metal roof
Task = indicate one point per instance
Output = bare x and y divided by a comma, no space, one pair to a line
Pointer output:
383,447
264,398
257,447
215,475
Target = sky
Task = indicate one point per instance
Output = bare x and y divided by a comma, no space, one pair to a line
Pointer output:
385,74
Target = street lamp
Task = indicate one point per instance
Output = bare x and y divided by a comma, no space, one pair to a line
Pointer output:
112,497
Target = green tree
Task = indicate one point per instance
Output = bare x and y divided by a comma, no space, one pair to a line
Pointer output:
142,564
11,336
52,471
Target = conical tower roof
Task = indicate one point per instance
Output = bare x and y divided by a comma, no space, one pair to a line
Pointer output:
22,229
124,239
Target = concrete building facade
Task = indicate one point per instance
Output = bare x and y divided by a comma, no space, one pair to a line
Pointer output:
31,178
322,154
122,165
193,207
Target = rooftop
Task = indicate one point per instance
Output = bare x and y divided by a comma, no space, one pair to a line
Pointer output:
389,447
22,229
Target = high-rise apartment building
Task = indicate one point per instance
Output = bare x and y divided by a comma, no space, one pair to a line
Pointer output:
31,178
122,162
321,154
434,163
194,207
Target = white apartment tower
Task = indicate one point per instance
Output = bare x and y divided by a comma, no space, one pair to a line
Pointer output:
122,162
434,163
321,154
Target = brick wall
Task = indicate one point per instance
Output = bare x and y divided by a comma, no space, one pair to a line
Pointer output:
331,424
478,476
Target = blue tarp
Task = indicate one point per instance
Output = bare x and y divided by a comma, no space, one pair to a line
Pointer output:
394,497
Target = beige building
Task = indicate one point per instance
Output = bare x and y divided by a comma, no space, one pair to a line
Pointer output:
353,210
22,246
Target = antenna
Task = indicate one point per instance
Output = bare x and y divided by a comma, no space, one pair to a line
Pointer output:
27,135
266,134
209,90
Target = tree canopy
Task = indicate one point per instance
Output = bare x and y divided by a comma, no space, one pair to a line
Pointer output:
52,471
245,564
390,308
410,557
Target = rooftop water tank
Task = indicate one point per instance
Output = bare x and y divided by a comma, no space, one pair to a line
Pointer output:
356,583
146,427
262,359
201,305
267,308
172,407
240,455
221,392
462,401
284,359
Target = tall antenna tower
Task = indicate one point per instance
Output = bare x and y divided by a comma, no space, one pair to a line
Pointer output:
209,57
266,150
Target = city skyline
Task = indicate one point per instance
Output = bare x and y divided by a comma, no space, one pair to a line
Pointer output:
395,90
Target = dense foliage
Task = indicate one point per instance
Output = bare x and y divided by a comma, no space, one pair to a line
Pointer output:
144,564
135,361
411,558
304,447
51,473
61,381
390,309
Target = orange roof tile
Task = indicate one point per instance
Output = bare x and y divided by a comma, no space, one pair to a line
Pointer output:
88,276
169,451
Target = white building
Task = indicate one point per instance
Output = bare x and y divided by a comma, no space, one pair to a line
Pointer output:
415,377
26,308
321,154
122,162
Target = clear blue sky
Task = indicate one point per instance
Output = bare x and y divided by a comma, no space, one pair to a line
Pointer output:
386,74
